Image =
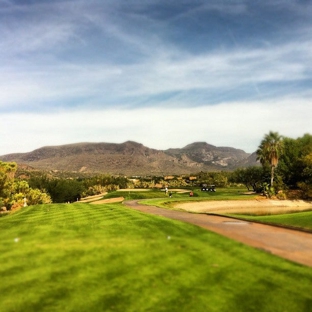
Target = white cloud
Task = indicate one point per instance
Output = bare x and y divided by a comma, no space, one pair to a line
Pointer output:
239,125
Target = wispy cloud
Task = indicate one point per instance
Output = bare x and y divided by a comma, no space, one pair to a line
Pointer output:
190,63
162,128
105,84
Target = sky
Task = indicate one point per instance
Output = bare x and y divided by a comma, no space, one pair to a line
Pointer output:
164,73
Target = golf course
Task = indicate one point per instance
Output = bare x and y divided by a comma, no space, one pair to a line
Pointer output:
109,257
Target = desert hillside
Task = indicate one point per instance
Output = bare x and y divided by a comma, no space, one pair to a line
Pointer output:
133,158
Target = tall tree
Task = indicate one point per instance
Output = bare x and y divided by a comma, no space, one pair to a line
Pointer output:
269,151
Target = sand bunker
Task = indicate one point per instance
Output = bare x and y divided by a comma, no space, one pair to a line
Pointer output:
134,190
92,198
108,201
265,206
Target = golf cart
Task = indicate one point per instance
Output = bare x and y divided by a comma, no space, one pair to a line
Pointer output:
208,188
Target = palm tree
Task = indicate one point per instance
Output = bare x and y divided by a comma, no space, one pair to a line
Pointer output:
269,151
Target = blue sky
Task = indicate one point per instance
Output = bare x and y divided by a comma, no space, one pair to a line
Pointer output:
162,73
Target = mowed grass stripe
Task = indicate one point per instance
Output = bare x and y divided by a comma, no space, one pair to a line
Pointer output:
81,257
71,213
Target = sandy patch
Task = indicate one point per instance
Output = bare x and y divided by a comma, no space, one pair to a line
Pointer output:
133,190
91,198
265,206
108,201
179,190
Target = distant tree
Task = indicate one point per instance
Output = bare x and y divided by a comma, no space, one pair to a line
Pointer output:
307,171
288,166
292,166
269,151
252,177
101,183
64,190
220,179
305,185
40,182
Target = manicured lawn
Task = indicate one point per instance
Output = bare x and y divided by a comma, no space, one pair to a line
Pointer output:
83,257
300,220
220,194
128,195
160,199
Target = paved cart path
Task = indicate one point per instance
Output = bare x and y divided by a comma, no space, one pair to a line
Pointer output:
289,244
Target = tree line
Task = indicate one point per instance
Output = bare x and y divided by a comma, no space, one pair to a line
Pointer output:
41,188
285,167
70,189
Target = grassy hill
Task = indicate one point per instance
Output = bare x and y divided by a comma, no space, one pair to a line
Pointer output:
83,257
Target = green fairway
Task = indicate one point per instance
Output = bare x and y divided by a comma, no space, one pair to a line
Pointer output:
134,194
220,194
299,220
159,198
83,257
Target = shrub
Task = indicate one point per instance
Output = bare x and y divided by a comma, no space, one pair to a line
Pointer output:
306,189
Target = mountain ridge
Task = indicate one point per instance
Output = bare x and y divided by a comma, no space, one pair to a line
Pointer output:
133,158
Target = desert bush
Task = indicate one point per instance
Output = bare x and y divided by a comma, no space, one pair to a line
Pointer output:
36,197
306,189
281,195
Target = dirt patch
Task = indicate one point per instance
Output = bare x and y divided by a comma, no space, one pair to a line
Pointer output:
246,206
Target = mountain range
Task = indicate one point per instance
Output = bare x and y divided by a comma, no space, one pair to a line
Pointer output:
132,158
